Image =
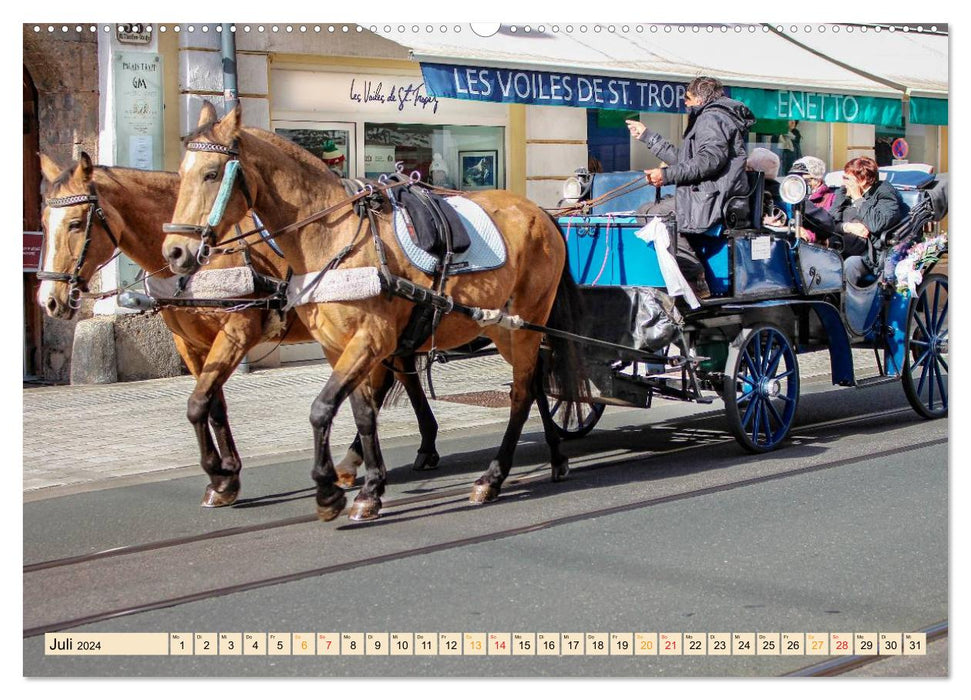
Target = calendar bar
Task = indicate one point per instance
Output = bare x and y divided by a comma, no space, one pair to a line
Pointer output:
487,644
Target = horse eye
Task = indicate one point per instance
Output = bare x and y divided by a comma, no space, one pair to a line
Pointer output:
75,225
211,175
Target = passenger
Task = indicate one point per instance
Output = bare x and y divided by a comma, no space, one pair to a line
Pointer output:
765,161
708,167
817,221
862,208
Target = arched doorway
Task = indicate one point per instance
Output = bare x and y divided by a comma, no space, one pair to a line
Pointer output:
33,323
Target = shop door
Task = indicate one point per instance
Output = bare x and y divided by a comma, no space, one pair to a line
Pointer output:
33,323
336,144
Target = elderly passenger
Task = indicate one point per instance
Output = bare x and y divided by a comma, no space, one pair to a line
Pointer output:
864,207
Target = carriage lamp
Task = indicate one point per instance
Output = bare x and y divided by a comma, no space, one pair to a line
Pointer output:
577,186
793,189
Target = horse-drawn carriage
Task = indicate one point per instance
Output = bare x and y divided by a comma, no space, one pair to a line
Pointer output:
359,290
774,296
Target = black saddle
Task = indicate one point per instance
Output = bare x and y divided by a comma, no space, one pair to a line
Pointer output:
436,227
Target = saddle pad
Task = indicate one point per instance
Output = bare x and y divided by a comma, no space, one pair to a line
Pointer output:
487,249
426,211
204,284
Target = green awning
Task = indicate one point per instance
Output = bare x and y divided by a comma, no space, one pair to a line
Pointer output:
820,107
926,110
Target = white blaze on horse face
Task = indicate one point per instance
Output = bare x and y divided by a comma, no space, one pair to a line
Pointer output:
54,224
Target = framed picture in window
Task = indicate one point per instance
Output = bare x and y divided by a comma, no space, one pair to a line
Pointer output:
478,169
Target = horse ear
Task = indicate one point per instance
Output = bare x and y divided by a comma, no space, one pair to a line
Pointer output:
84,169
227,129
207,115
48,168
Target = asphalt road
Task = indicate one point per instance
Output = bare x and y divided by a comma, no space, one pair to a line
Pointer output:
844,529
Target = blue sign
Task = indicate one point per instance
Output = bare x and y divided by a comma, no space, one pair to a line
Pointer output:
553,89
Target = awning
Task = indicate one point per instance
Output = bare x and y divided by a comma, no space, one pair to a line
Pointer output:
645,68
917,61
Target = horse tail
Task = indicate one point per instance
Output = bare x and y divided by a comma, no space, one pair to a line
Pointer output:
564,369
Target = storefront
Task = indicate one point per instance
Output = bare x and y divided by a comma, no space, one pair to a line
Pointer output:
806,101
364,122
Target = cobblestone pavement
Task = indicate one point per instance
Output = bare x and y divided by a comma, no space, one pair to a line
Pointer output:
75,435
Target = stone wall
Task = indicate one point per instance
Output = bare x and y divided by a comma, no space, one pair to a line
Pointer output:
64,68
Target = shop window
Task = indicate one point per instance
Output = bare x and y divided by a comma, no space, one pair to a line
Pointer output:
456,157
332,145
791,140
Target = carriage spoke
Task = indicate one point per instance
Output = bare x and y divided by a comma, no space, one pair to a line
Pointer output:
775,413
943,363
758,419
923,358
923,376
787,373
919,343
767,353
774,365
748,412
940,384
921,327
751,366
941,320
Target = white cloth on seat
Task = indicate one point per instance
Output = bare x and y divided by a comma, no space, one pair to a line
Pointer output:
657,233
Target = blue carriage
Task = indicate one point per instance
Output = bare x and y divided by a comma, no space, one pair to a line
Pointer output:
773,296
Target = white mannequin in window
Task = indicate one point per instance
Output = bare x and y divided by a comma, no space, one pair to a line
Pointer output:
439,171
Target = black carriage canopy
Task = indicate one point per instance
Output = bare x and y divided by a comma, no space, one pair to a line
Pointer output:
825,73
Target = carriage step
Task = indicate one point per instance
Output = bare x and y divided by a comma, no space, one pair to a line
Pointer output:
876,381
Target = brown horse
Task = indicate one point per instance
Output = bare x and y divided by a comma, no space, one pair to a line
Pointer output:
284,185
135,204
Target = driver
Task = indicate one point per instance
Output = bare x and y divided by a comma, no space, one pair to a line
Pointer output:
863,207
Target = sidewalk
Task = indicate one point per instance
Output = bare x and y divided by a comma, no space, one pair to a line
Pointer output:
83,434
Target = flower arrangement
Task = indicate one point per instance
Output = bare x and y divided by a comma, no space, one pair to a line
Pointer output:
909,264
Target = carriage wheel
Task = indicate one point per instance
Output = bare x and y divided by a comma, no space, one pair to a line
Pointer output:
926,360
571,419
761,387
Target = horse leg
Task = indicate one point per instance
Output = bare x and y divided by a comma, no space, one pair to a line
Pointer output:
427,458
523,352
198,407
207,404
381,381
219,422
367,504
559,464
348,371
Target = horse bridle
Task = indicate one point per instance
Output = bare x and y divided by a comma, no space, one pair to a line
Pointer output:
232,174
76,283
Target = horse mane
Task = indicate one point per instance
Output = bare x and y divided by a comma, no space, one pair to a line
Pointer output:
298,153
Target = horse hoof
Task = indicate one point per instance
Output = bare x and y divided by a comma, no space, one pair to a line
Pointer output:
368,509
346,480
426,462
329,511
219,499
483,493
560,472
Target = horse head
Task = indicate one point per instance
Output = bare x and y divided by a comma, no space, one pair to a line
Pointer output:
77,237
212,191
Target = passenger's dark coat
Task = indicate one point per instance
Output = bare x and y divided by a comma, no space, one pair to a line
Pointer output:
879,209
709,165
